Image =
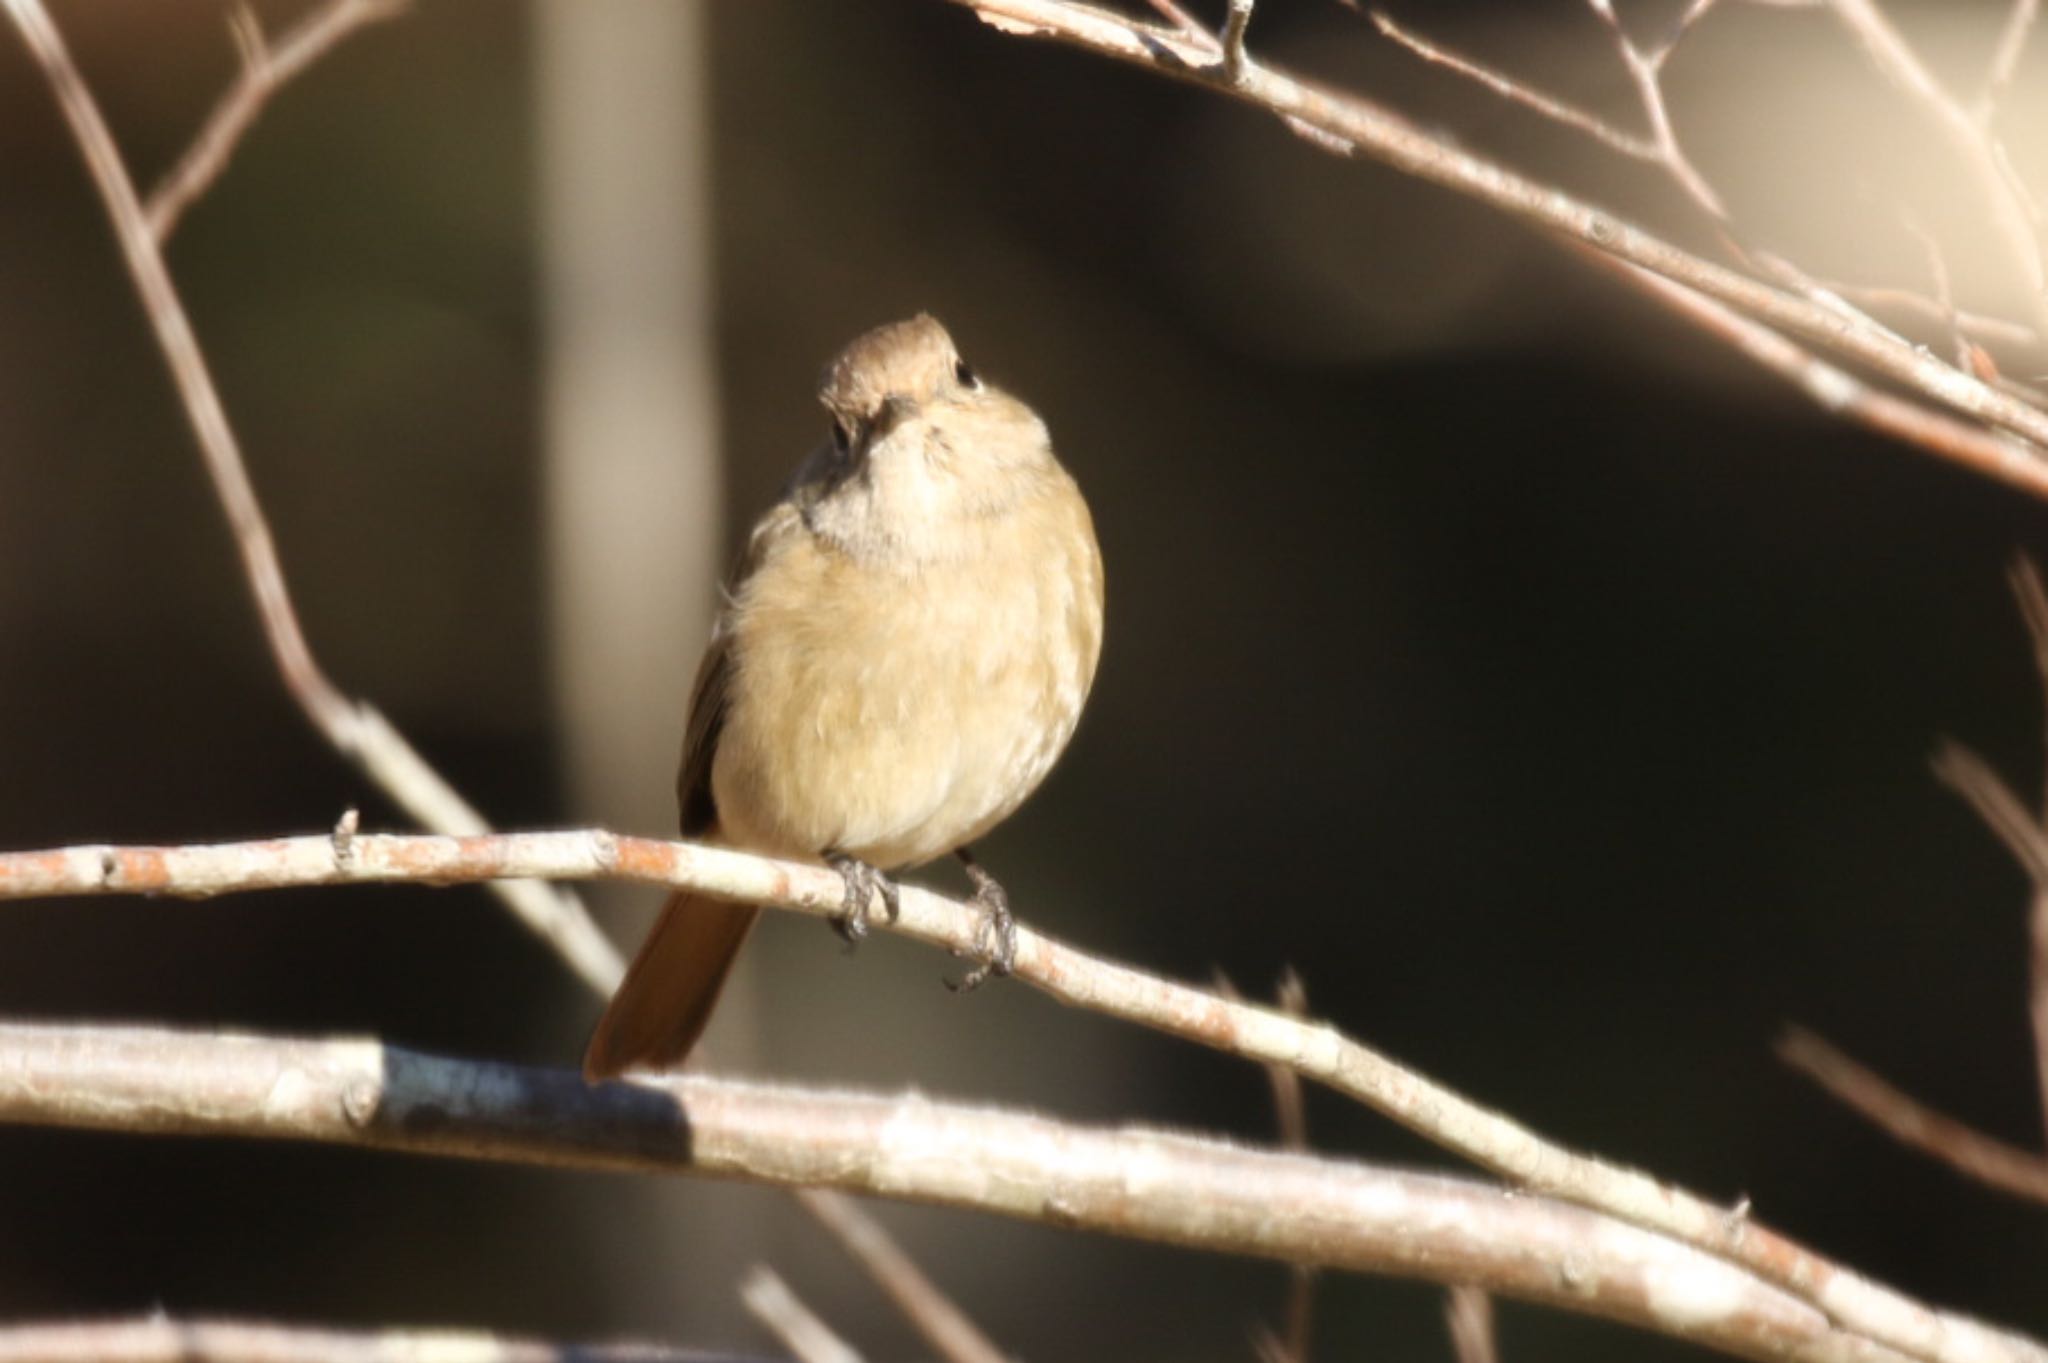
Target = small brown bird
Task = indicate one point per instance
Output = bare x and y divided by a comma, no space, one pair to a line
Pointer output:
903,654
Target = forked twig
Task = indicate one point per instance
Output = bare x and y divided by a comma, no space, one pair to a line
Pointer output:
265,68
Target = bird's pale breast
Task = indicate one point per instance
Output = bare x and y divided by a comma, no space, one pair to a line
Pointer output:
895,713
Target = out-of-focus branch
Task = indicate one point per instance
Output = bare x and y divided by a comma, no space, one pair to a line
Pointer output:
1835,390
2006,60
355,728
265,70
1290,1110
1468,1313
786,1317
2032,596
1130,1182
1348,124
2012,209
942,1324
1910,1122
1316,1051
1662,148
165,1339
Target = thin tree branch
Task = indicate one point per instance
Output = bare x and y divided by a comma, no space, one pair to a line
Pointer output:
1130,1182
1971,777
1835,390
1516,92
2032,596
1905,1119
1976,325
1316,1051
2006,60
265,70
1348,124
1662,148
1645,71
2013,211
1468,1313
166,1339
1290,1111
355,728
942,1324
771,1302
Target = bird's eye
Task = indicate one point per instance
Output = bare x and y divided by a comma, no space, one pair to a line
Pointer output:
840,440
964,375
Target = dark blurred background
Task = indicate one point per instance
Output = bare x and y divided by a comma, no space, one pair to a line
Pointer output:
1548,687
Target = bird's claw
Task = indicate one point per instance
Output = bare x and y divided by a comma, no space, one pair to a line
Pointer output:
863,882
995,940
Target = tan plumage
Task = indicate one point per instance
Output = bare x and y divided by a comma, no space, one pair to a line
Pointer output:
903,656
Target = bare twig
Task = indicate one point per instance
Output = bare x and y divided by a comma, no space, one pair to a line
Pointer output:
1517,92
1468,1312
1290,1110
1316,1051
1645,72
2006,60
166,1339
1146,1185
1836,390
1235,22
355,728
1971,777
1911,1122
942,1324
771,1302
1977,325
265,69
2013,211
1189,27
1645,68
1343,122
2032,596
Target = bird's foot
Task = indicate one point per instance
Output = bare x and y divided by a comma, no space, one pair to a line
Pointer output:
995,941
863,883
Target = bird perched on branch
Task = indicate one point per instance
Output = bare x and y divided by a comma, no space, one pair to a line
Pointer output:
903,654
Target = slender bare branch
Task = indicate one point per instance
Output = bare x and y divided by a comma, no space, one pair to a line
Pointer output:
2032,596
1468,1312
2013,211
265,70
1518,92
1189,27
1316,1051
1837,391
1290,1110
1969,1152
355,728
1346,123
1971,777
1645,72
2006,60
801,1331
1979,326
1130,1182
942,1324
1662,148
167,1339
